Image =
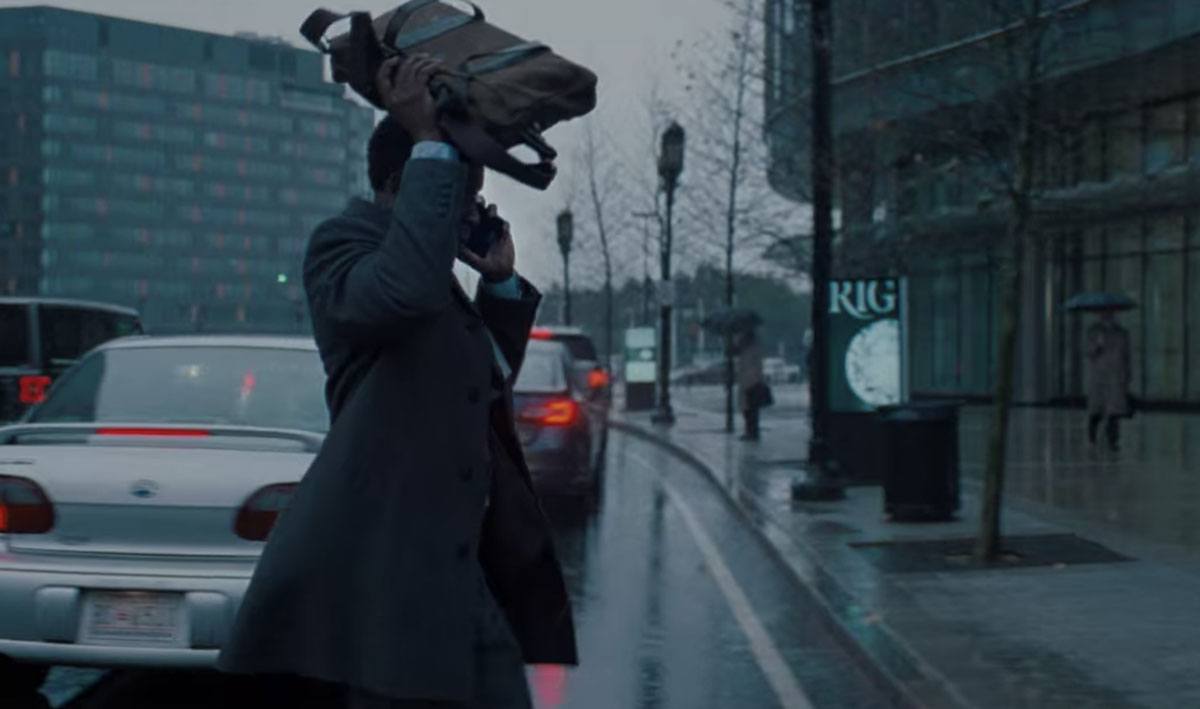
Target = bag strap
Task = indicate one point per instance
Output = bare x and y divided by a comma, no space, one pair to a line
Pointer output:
401,17
476,144
503,58
393,40
317,24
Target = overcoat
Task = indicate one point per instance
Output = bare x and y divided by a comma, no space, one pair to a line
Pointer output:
1108,369
370,577
749,366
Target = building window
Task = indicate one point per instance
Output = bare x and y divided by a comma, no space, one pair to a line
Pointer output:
1123,145
1166,126
67,65
14,63
77,125
63,177
144,75
1194,129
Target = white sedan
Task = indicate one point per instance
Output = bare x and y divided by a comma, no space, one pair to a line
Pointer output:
135,501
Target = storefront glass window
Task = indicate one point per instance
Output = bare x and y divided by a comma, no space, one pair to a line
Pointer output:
1193,308
945,330
1164,308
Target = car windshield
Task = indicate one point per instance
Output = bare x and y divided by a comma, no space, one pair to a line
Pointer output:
542,372
243,386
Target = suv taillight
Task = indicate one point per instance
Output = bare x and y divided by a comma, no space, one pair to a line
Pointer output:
24,507
32,389
556,412
258,514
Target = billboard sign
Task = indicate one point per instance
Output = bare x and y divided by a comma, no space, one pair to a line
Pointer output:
865,343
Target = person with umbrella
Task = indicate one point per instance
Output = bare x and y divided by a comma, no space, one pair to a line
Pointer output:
1109,370
738,324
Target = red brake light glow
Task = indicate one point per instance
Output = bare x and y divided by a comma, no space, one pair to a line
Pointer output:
597,379
557,412
24,507
32,389
173,432
540,333
257,516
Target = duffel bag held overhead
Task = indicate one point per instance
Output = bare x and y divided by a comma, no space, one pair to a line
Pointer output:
497,92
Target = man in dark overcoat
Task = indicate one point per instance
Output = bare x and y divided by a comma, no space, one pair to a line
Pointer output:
414,565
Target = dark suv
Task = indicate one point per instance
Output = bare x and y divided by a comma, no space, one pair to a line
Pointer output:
42,337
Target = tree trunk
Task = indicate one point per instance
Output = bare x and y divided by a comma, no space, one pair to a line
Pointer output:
735,174
987,546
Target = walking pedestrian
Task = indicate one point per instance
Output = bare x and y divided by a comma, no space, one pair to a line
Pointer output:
751,382
1109,376
414,566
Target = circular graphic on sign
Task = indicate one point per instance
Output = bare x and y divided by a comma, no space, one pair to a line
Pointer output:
873,363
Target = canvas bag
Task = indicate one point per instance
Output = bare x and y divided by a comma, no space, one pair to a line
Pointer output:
499,91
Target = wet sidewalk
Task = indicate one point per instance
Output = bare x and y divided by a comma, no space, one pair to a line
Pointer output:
1105,618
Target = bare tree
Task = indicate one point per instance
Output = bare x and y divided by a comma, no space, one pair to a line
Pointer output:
729,204
603,185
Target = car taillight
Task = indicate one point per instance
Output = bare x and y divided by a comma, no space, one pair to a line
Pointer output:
597,379
32,389
538,333
24,507
556,412
259,513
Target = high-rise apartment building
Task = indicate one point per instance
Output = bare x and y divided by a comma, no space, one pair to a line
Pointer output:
175,171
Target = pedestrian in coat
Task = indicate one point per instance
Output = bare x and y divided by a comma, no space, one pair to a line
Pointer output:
749,377
414,566
1108,377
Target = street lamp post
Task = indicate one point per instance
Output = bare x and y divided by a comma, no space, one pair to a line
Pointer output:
566,233
670,166
822,481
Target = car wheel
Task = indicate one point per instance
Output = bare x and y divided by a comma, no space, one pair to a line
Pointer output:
18,679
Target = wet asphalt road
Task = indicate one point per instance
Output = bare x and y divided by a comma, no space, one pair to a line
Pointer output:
678,606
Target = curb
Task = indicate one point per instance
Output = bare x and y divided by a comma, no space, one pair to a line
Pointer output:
906,679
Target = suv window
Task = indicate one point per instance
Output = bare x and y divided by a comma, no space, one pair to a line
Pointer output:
541,373
580,346
14,336
67,333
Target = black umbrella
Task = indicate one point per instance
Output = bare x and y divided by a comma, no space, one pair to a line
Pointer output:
1099,302
731,321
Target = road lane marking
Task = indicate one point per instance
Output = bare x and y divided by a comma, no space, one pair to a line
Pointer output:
766,654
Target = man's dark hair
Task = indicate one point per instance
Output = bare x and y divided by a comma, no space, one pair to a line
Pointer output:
388,150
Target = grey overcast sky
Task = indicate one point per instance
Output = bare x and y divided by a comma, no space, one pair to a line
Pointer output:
627,42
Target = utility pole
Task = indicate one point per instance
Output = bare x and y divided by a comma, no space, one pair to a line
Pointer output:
821,482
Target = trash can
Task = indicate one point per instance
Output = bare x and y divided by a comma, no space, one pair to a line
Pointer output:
920,472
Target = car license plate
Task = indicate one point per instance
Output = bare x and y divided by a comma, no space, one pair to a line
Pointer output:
133,618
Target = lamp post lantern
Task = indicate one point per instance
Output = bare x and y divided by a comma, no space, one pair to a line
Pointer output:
566,233
670,166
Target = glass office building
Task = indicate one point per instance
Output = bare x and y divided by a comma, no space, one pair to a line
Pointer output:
1116,178
174,171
